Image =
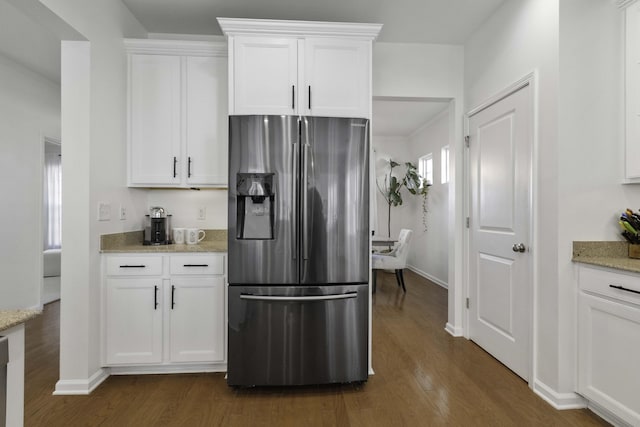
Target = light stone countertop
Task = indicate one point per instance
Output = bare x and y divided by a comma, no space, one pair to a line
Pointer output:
131,242
605,254
11,318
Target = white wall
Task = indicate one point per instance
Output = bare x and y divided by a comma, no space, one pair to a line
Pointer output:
430,248
94,169
183,205
432,71
592,139
29,110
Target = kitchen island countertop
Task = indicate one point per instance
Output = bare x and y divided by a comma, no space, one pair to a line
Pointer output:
11,318
131,242
605,254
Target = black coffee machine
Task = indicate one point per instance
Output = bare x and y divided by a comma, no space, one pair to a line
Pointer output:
157,227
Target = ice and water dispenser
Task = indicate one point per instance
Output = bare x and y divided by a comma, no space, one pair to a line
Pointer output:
255,198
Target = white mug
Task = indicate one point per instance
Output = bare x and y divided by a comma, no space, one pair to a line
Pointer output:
178,235
192,236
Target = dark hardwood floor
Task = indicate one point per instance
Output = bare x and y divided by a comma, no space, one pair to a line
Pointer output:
424,377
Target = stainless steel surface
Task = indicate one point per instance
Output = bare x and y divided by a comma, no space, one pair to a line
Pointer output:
4,359
157,212
518,247
308,298
301,341
264,144
337,193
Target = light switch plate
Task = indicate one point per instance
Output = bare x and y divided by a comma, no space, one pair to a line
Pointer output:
104,211
202,213
123,213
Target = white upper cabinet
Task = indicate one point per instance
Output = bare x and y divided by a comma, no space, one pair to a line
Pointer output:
177,114
632,93
154,118
336,73
299,67
265,75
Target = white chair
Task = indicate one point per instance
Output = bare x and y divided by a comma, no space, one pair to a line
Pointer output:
394,260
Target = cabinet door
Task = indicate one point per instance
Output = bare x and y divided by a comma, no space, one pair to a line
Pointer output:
154,120
632,93
337,78
133,317
197,320
608,349
206,120
265,75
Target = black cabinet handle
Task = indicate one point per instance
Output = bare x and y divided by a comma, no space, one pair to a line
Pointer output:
155,297
175,160
624,289
309,97
173,292
133,266
189,168
195,265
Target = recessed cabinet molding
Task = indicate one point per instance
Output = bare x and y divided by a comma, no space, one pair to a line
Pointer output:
632,92
609,342
306,68
164,313
177,113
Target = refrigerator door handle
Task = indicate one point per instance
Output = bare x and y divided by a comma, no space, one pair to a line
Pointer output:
305,203
294,191
348,295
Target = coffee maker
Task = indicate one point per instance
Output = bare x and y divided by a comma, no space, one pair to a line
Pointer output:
157,227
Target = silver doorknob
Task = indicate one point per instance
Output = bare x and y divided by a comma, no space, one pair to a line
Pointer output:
518,247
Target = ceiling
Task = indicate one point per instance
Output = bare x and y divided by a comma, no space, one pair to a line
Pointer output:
413,21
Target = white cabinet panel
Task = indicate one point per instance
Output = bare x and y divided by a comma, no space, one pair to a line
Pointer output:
197,264
609,341
206,120
197,320
265,75
632,92
133,321
154,119
134,265
337,78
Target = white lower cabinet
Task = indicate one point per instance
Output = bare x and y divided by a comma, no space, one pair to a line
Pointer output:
164,310
609,341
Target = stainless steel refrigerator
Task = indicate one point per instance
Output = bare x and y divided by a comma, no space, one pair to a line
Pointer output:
298,250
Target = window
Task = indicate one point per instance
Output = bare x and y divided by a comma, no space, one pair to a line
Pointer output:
52,196
425,167
444,164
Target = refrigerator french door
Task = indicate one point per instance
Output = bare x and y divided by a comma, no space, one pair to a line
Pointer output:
298,250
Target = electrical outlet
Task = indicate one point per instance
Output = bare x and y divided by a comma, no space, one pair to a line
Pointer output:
123,213
202,213
104,211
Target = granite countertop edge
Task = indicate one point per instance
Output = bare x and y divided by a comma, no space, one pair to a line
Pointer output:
605,254
131,242
11,318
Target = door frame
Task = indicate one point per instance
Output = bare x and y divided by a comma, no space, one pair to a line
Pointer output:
531,80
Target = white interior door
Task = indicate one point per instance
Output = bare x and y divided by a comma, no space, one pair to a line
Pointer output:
500,296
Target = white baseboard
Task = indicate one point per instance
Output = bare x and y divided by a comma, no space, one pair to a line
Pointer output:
168,369
607,415
77,387
428,276
559,400
454,331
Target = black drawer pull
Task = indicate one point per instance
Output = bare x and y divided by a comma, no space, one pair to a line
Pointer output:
195,265
132,266
155,297
175,160
624,289
173,294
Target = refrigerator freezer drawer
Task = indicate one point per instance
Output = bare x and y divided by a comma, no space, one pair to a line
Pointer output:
297,335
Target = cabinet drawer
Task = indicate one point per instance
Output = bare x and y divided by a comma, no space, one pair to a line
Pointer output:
197,264
611,284
134,266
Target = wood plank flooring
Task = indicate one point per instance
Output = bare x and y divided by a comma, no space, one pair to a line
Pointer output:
424,377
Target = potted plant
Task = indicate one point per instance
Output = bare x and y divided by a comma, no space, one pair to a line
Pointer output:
412,181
